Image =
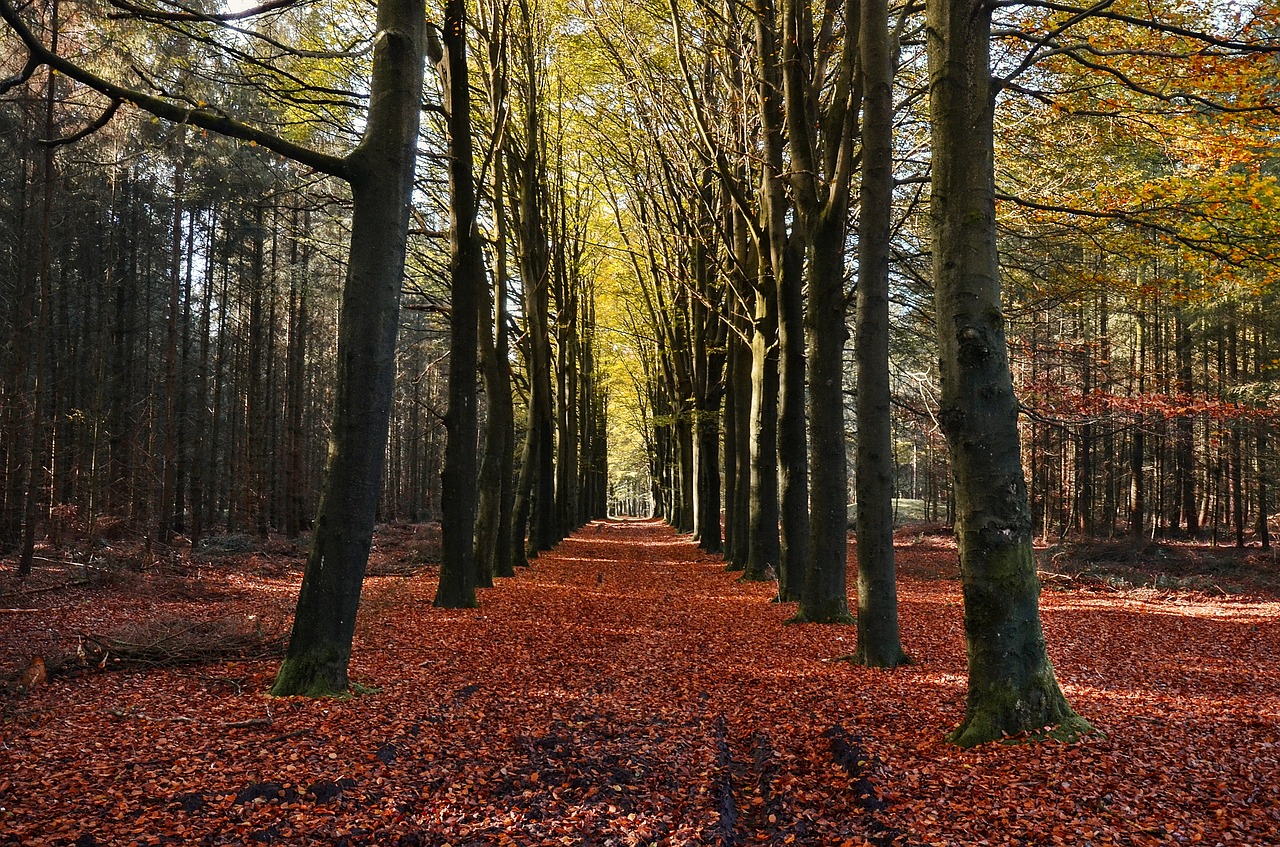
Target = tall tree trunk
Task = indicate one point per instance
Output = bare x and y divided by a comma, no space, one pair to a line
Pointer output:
741,412
458,575
1137,446
1185,451
493,520
825,598
522,507
1012,688
785,255
295,384
535,270
381,173
166,513
199,423
729,462
793,439
879,643
763,546
820,131
34,483
1261,436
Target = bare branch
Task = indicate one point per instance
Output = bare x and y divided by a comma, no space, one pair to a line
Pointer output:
21,76
102,121
187,14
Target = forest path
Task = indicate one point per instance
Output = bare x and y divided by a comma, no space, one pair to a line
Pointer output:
655,698
626,690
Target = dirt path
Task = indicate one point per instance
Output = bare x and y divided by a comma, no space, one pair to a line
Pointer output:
626,690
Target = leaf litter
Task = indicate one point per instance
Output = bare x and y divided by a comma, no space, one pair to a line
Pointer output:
627,690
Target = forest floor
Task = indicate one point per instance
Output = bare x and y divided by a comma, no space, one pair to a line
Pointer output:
627,690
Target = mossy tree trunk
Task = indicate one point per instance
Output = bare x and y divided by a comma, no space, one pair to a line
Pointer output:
1012,688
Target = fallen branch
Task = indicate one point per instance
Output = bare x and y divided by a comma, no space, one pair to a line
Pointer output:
44,589
171,641
123,713
248,723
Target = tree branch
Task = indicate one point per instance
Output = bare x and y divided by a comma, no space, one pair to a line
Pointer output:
185,14
201,117
103,120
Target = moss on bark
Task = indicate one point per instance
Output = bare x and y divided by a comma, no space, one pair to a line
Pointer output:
320,672
832,612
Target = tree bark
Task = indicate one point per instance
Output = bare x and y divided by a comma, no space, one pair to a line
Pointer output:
381,173
493,520
458,576
1012,687
785,260
166,511
879,643
763,545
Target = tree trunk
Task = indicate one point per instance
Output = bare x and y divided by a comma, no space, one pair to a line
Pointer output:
535,270
741,412
166,513
825,598
730,438
1012,688
1185,451
295,390
763,546
381,171
458,577
793,437
493,521
784,257
33,485
879,643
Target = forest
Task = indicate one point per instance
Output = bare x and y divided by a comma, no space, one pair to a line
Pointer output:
603,422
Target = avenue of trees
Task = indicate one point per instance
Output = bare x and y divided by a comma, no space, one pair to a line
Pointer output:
765,270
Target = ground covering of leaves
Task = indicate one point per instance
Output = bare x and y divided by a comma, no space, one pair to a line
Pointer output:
627,690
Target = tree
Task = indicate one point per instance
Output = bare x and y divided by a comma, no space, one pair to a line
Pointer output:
380,172
458,575
1012,687
879,644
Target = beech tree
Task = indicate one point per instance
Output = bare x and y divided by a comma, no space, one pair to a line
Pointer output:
1012,687
380,172
879,644
458,576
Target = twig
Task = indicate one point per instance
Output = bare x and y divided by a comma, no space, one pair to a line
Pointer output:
75,583
248,723
121,713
